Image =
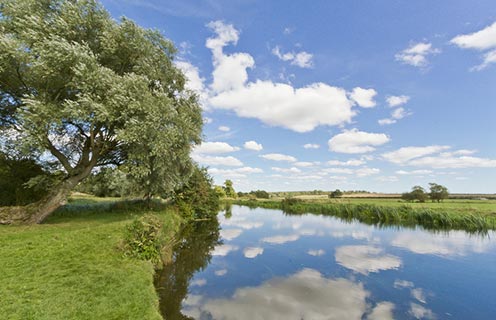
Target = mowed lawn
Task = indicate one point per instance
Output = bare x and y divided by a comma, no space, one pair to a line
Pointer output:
72,268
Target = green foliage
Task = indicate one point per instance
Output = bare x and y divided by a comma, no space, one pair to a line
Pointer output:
229,190
220,191
417,194
22,181
197,198
92,92
108,182
336,194
143,239
438,192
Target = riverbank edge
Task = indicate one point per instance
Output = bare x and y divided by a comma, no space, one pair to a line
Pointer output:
383,216
72,267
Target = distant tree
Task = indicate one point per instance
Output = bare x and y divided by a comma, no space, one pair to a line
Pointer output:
336,194
438,192
91,91
261,194
417,194
220,191
229,190
108,182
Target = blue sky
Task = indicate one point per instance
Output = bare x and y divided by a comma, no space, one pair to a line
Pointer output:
368,95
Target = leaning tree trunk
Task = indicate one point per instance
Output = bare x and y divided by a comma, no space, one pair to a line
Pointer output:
40,210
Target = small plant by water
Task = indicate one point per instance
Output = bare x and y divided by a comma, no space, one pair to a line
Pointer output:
144,239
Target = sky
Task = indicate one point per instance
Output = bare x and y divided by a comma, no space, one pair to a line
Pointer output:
318,95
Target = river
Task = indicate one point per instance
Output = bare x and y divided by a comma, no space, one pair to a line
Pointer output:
264,264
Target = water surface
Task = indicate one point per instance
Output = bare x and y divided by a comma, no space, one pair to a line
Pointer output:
264,264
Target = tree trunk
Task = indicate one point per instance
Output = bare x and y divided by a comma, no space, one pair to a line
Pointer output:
39,211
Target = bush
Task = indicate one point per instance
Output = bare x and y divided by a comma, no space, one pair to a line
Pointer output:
143,239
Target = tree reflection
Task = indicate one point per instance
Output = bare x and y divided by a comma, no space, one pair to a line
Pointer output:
191,254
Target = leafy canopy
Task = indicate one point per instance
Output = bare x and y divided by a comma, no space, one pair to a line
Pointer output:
91,91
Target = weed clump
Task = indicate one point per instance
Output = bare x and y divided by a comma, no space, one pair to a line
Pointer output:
144,239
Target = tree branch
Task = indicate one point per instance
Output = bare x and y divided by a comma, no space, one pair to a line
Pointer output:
59,155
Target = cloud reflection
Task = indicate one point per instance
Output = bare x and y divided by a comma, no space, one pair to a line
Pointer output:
365,259
304,295
252,252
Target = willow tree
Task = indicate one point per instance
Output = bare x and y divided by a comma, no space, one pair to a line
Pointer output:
83,89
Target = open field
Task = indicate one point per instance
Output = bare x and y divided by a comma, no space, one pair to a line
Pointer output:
71,267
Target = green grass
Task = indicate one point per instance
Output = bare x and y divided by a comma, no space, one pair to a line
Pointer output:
452,215
71,267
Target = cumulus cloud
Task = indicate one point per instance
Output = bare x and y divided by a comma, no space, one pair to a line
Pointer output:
420,312
311,146
278,157
301,59
414,172
224,129
365,259
305,164
396,114
194,81
316,253
216,161
432,157
252,252
382,311
348,163
282,298
238,172
286,170
354,141
396,101
279,104
416,54
484,39
229,70
405,154
214,148
364,97
253,145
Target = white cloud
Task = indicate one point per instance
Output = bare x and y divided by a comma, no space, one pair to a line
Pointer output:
253,145
207,120
363,97
348,163
354,141
405,154
278,157
232,173
194,81
396,101
365,172
281,239
316,253
214,148
365,259
480,40
286,170
224,250
311,146
323,299
252,252
217,161
339,170
386,121
414,172
301,59
224,129
399,284
279,104
431,156
416,54
419,294
305,164
229,70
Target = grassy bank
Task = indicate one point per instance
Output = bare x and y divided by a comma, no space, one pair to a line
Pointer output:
431,216
72,268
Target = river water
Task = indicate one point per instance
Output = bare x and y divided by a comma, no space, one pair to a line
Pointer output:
263,264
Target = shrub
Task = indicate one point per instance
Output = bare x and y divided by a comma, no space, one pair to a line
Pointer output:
143,239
